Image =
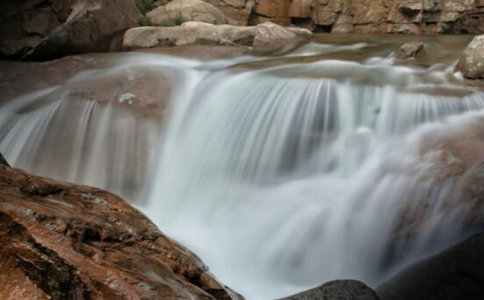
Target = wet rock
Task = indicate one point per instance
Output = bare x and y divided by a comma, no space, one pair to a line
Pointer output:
65,241
337,290
456,273
265,37
471,64
3,161
44,30
179,11
409,50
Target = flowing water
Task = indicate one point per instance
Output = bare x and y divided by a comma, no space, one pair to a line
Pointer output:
281,173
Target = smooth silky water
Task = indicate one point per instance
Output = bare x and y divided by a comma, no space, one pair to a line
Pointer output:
280,173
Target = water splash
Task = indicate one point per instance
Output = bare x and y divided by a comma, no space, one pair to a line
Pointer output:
286,177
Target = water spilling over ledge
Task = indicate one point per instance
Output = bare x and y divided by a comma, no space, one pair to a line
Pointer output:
280,173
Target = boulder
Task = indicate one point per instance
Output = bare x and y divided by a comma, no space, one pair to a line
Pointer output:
456,273
188,33
65,241
270,38
471,64
267,37
337,290
44,30
179,11
409,50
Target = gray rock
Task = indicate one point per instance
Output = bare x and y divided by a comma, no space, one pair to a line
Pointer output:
337,290
264,38
471,64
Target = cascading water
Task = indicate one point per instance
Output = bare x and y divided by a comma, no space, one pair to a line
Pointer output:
280,175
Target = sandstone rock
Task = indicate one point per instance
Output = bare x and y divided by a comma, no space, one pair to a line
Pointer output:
65,241
411,7
186,10
42,30
340,290
237,12
409,50
471,64
456,273
469,23
188,33
264,38
300,9
270,38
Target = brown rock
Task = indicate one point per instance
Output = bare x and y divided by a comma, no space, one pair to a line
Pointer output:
409,50
184,11
65,241
43,30
300,9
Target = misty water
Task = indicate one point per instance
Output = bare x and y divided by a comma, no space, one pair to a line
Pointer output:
280,173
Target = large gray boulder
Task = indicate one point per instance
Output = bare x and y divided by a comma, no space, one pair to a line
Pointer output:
48,29
337,290
471,64
179,11
263,38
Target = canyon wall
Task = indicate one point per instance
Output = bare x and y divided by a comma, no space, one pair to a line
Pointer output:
362,16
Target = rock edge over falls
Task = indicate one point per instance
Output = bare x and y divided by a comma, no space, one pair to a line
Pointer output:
66,241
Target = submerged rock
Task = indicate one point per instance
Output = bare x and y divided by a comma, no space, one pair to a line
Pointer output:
471,64
409,50
179,11
65,241
43,30
267,37
456,273
337,290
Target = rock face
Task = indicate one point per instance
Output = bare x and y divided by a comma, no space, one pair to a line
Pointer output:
338,290
471,64
409,50
64,241
361,16
3,161
456,273
264,38
42,29
186,10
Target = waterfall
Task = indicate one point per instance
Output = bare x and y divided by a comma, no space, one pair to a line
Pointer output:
280,173
286,177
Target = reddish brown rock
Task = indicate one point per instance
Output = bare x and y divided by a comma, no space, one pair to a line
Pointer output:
65,241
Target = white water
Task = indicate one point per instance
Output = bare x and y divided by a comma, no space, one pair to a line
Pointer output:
279,179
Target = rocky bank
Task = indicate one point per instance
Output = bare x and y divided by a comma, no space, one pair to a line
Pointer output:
65,241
